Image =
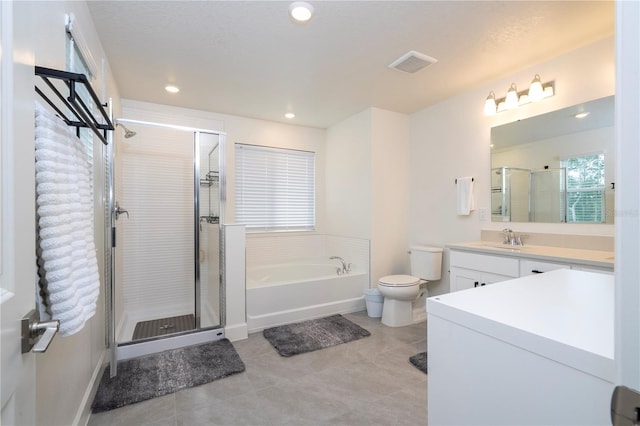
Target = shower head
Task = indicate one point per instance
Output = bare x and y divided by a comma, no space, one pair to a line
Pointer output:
127,133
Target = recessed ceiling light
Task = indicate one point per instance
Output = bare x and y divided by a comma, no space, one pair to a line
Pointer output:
582,114
171,89
290,115
301,11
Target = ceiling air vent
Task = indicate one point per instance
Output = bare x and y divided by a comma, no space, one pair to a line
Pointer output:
412,62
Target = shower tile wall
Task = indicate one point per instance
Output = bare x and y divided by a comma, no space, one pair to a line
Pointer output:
156,241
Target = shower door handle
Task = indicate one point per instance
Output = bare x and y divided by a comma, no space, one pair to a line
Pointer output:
118,211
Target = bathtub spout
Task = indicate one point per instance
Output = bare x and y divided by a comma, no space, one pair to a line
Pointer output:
345,269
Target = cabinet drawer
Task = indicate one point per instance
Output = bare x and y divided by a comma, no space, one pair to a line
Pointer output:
486,263
532,267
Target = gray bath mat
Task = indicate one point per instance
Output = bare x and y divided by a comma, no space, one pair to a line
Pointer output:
307,336
147,377
162,326
420,361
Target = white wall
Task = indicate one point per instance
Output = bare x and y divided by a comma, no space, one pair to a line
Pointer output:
367,185
452,139
389,193
348,178
71,364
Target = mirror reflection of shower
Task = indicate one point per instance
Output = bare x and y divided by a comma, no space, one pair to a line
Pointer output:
127,132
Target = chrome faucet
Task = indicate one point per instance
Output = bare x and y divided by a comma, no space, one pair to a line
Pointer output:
345,268
512,238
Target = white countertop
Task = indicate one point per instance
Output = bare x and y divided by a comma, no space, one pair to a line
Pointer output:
564,315
595,258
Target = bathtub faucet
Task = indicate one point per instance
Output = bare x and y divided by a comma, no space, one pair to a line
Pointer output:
345,268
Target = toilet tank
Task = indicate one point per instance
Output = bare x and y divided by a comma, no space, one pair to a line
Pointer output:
426,262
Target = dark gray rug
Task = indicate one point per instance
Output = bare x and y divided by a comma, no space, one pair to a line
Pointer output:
420,361
147,377
311,335
162,326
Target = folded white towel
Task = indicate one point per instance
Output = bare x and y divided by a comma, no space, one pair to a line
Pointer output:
70,281
465,202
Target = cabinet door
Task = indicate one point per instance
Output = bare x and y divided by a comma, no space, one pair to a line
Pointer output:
488,278
593,269
463,279
532,267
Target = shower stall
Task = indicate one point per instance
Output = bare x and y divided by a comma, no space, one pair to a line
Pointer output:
166,204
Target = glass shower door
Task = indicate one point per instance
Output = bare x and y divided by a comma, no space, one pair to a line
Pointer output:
155,256
209,276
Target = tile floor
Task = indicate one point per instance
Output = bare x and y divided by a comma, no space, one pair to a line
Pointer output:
366,382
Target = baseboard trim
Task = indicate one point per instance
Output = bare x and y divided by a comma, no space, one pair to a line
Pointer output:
84,411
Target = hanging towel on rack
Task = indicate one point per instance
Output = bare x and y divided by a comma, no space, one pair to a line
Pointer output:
464,195
67,263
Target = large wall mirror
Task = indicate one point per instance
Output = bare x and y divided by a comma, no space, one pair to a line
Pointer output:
556,167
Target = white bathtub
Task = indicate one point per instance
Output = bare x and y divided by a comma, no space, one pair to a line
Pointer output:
286,293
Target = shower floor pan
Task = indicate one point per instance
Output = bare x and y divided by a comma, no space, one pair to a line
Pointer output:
162,326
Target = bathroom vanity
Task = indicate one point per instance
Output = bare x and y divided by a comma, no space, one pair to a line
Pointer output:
538,349
478,264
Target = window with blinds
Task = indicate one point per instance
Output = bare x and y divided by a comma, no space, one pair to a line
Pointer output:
76,62
274,189
585,188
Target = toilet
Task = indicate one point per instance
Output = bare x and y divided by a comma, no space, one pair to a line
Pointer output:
400,291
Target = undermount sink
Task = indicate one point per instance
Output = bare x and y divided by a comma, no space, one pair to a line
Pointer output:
502,246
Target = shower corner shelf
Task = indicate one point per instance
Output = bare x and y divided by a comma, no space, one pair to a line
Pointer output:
84,117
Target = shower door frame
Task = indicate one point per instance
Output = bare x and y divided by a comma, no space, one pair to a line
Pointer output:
198,335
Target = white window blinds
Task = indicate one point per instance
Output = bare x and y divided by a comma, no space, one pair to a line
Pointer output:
274,189
585,188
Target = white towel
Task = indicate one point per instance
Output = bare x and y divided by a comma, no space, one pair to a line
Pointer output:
69,278
464,195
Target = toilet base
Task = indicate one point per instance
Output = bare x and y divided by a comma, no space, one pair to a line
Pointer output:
397,313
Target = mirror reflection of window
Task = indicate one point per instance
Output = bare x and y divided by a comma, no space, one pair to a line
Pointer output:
585,188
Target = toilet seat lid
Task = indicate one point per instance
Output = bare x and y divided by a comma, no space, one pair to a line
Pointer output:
399,280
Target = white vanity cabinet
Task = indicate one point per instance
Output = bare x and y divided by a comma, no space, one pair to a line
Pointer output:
475,265
494,359
470,270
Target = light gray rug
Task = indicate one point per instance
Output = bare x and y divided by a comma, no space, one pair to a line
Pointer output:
147,377
311,335
420,361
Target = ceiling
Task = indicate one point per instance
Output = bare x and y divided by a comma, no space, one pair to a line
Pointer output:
249,59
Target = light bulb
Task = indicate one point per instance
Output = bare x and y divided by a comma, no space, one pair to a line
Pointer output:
536,93
511,100
490,104
301,11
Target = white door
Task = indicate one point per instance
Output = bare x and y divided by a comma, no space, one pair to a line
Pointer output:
17,220
628,194
627,336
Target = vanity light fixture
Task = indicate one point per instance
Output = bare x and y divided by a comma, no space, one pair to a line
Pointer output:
171,88
513,99
582,114
300,11
290,115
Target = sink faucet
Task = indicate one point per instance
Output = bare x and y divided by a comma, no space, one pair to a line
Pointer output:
512,238
345,268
